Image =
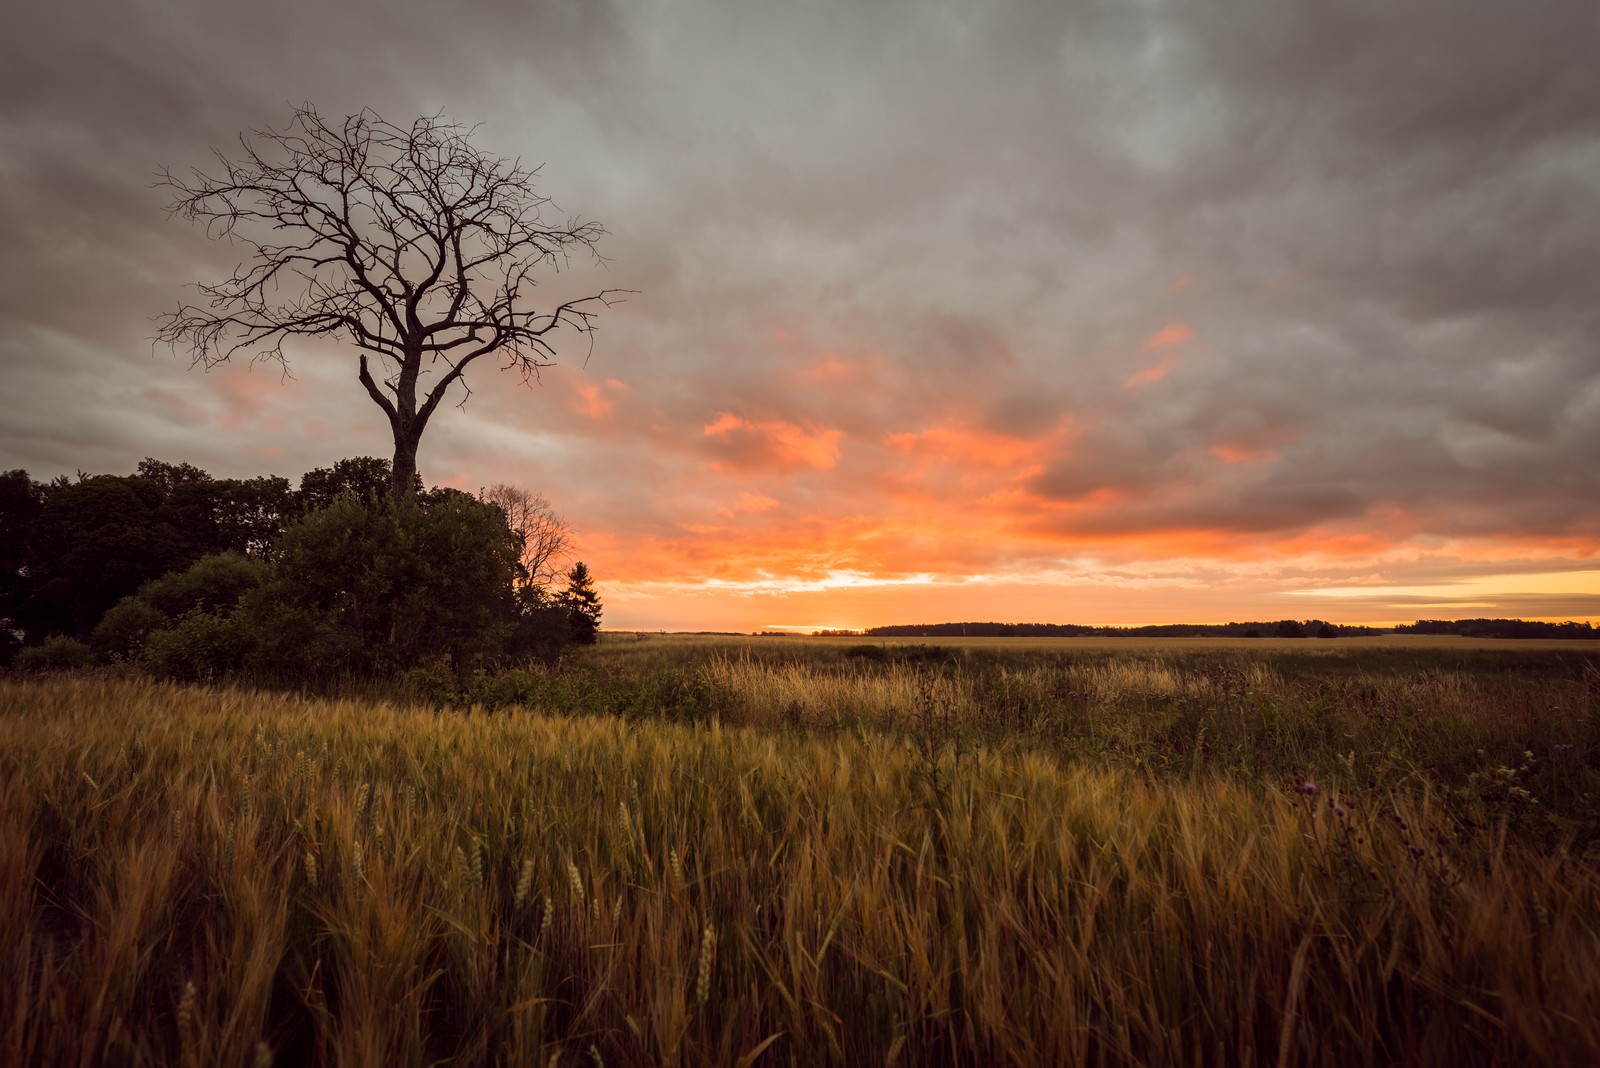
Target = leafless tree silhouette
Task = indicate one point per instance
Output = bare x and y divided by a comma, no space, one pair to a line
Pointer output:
545,537
407,241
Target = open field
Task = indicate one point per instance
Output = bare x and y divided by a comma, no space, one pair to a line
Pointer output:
1308,646
790,851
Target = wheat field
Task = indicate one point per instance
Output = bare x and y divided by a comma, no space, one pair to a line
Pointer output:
219,876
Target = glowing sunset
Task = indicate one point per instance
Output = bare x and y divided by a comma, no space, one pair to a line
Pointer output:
662,533
1021,312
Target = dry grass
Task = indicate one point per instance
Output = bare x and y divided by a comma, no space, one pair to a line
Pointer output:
219,877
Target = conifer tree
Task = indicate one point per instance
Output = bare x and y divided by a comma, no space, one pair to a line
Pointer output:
582,604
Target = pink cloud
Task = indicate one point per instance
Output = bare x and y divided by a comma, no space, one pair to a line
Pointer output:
595,400
1154,373
1168,336
742,443
1235,453
964,446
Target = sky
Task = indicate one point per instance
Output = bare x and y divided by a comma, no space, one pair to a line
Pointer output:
1110,313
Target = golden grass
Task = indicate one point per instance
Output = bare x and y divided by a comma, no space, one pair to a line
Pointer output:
212,877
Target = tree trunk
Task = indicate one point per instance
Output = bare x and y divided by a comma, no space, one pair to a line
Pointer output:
405,460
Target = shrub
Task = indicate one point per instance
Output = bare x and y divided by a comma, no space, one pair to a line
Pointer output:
59,653
381,585
199,645
212,584
123,630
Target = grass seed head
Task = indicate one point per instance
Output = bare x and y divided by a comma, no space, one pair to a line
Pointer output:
524,883
708,949
186,1011
574,880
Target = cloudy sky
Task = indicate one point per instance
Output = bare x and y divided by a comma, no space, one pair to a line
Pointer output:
1109,312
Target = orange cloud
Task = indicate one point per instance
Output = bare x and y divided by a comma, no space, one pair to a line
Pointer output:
1154,373
749,503
1234,453
960,445
755,502
1168,336
741,443
836,370
594,401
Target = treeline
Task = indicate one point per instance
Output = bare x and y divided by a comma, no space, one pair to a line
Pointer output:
1500,628
1283,628
192,576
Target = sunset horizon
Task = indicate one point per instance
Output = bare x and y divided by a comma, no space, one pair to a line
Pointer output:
920,532
1025,314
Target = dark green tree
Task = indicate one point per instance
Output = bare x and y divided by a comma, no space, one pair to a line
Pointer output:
229,515
21,499
94,542
384,584
213,584
361,477
582,604
169,476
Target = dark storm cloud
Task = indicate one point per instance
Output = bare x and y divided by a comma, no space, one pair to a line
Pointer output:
1265,267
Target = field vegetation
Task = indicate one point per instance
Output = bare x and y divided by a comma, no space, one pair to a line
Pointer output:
672,850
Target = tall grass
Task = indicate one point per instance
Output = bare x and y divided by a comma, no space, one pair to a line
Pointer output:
192,876
1507,731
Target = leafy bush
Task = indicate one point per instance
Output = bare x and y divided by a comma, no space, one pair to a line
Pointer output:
211,584
123,630
378,585
59,653
199,645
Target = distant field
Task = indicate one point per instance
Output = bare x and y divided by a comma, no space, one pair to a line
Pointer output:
1305,645
793,851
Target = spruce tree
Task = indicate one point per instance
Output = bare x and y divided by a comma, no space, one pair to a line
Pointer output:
582,604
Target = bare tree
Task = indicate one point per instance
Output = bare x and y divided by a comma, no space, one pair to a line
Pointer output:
545,537
409,242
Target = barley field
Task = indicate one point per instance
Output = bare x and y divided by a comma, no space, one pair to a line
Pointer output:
678,851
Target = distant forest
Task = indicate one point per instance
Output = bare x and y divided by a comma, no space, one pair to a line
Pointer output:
1283,628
